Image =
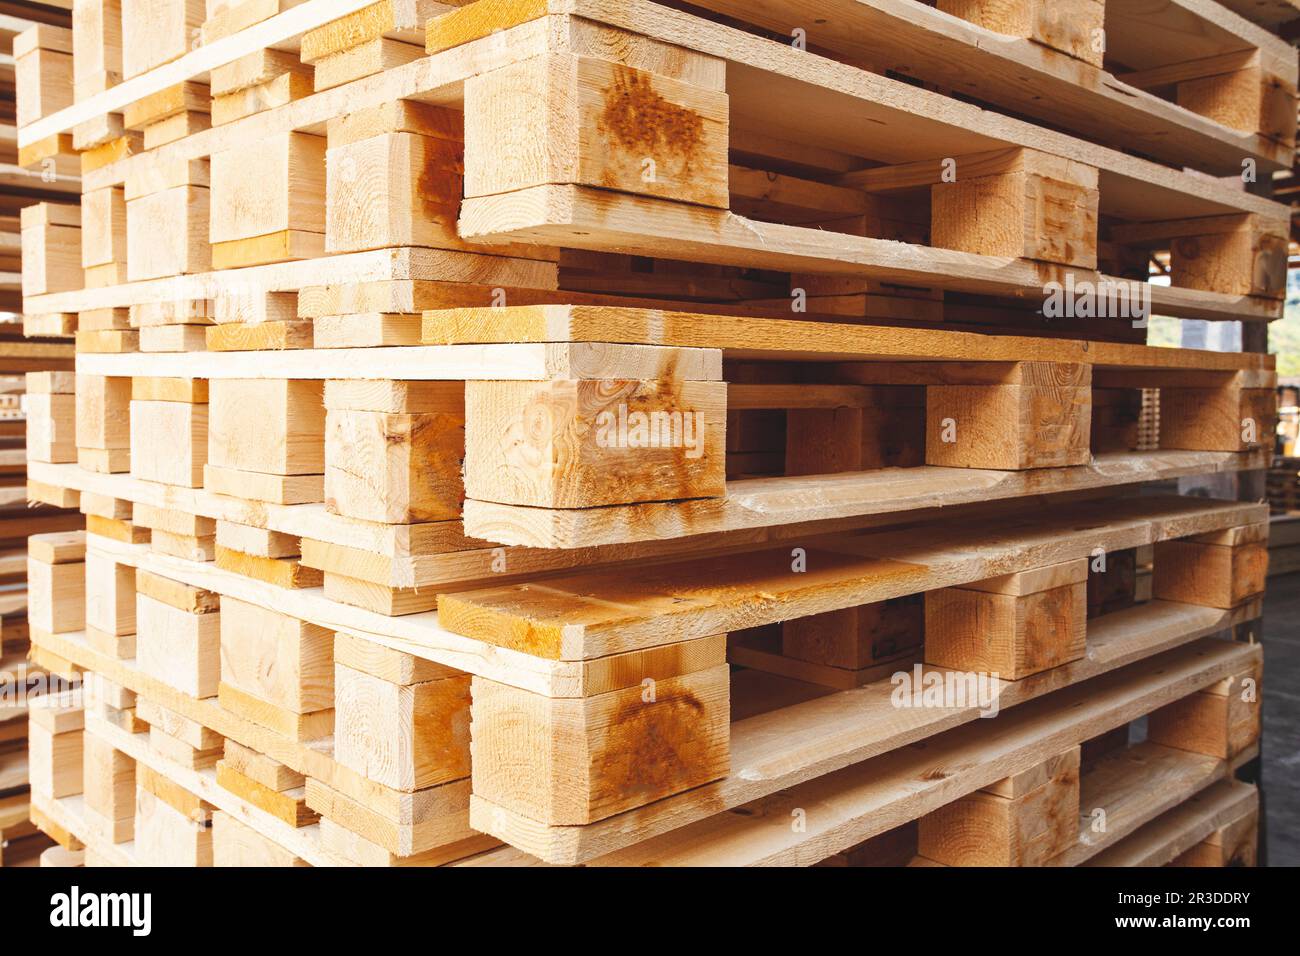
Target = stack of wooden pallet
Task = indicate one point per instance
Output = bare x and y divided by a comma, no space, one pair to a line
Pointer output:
21,187
596,432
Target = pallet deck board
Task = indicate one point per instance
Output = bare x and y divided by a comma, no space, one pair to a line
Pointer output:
1021,74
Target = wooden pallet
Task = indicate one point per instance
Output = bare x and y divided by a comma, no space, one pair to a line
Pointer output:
574,374
1215,233
1168,624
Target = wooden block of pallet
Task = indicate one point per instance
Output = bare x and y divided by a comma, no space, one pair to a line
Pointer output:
1076,27
278,659
51,417
169,113
155,32
260,486
1249,99
227,17
395,19
254,307
1021,204
165,836
394,178
571,761
109,801
1219,570
56,581
261,769
864,427
577,443
407,735
169,438
42,72
103,423
1231,254
290,724
1114,585
260,542
104,320
96,46
1220,721
583,120
278,90
103,693
104,128
172,338
288,572
167,209
55,747
1022,820
1231,418
178,638
855,639
393,450
278,214
285,438
1116,414
1031,415
103,229
1236,844
1015,625
110,603
235,844
254,69
51,248
186,311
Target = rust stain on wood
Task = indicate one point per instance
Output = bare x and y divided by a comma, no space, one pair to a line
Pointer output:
660,745
641,120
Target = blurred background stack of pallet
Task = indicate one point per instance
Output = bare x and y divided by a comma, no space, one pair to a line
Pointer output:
44,356
579,431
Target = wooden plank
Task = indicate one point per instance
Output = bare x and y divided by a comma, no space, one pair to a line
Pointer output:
588,615
1161,841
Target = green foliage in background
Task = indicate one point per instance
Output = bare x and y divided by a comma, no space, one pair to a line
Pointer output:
1284,336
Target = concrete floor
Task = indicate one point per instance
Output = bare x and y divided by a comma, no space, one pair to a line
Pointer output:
1281,695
